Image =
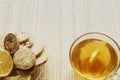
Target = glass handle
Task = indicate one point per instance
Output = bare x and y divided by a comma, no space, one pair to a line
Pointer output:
116,77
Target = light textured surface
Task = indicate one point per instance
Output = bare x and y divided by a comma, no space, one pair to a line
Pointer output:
59,23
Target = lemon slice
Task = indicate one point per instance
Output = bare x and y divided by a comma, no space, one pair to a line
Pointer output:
6,63
92,57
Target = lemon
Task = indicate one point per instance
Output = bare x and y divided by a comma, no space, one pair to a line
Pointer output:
6,63
92,57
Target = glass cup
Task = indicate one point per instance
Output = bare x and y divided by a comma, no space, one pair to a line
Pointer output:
77,65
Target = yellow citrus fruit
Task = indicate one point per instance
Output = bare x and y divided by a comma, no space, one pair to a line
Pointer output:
6,63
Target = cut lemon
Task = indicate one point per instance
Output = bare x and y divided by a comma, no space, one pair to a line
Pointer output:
6,63
92,57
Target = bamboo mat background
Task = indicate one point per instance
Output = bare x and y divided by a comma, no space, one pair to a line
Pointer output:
59,23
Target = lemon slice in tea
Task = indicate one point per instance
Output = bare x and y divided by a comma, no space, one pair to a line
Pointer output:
92,57
6,63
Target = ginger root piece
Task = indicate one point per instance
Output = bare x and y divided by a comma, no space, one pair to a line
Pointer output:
11,43
38,46
27,44
39,53
17,77
28,41
41,59
24,59
25,72
22,37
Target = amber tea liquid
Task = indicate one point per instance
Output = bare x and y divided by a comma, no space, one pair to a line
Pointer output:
94,58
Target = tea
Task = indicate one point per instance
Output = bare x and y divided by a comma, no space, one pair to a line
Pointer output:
94,58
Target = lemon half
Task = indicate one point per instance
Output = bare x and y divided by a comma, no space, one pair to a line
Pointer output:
6,63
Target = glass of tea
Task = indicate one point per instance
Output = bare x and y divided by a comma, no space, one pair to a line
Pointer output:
95,56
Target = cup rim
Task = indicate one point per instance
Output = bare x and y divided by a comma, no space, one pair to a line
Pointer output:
70,50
